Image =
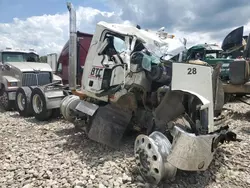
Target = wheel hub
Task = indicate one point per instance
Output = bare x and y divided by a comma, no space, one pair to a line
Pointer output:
151,154
37,103
20,101
72,103
68,103
144,160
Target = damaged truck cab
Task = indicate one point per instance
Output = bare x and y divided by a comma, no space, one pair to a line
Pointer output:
132,79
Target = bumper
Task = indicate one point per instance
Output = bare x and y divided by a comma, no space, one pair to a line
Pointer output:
12,95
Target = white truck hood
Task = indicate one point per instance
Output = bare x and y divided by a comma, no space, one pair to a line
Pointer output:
31,66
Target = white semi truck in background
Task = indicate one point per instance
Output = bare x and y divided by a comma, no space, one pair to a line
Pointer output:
20,72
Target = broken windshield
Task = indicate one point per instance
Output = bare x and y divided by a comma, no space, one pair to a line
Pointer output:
19,57
167,50
156,49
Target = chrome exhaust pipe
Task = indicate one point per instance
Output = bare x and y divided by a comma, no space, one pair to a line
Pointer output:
72,47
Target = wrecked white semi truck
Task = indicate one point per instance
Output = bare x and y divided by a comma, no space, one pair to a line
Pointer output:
134,79
20,71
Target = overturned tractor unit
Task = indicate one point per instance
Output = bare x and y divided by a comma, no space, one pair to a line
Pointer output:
134,79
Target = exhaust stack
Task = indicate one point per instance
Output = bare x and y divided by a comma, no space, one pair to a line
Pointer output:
72,47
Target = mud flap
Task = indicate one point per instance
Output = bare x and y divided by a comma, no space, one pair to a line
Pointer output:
108,125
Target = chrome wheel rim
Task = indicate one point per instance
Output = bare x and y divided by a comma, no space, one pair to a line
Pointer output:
20,101
37,104
151,154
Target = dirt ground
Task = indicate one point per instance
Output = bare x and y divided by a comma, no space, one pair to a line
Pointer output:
55,154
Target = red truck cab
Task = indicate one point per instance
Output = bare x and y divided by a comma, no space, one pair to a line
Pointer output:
83,44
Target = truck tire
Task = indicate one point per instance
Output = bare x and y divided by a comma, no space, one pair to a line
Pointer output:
23,101
4,100
39,106
56,113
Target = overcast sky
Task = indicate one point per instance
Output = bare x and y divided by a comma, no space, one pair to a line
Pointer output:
43,25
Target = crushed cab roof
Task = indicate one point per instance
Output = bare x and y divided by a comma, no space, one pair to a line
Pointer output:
125,29
153,38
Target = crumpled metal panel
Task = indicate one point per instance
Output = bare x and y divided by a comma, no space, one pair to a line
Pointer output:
190,152
108,125
87,108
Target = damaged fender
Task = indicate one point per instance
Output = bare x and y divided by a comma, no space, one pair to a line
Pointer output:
188,79
196,80
186,151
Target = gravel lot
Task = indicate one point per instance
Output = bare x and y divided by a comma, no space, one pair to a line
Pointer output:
55,154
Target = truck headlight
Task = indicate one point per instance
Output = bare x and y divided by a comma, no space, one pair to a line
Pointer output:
12,84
